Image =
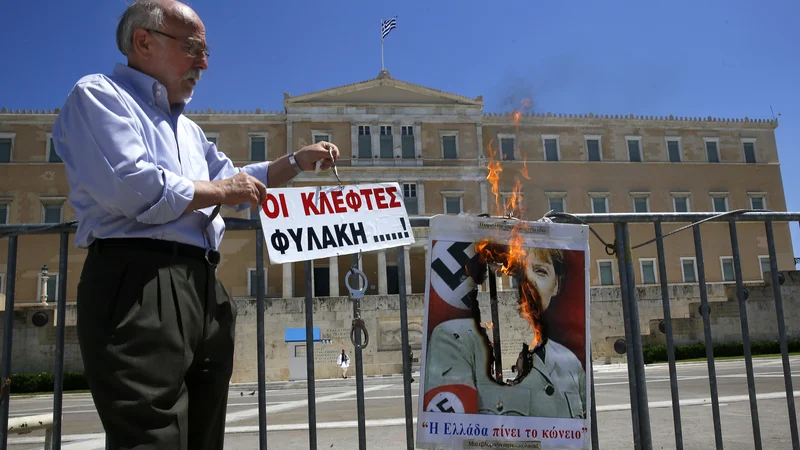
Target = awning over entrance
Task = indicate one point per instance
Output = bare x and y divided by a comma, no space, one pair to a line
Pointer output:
299,335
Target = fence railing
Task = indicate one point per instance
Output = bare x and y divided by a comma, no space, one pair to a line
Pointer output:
621,247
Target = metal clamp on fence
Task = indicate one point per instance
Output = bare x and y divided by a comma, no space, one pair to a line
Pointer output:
356,295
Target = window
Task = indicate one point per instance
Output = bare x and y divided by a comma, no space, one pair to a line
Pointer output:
758,200
322,281
728,273
410,198
634,148
719,202
557,204
212,137
689,270
320,136
605,270
449,145
712,149
674,149
680,202
593,151
641,202
364,142
407,144
763,262
52,287
453,202
556,201
392,279
255,215
551,148
252,282
599,203
4,212
6,147
507,144
648,269
387,142
749,148
258,147
52,156
52,211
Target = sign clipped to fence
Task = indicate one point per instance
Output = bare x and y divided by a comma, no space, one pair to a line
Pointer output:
305,223
537,396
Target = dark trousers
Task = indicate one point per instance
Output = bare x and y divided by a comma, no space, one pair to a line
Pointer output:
156,334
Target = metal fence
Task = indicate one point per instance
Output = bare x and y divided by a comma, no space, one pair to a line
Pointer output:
621,247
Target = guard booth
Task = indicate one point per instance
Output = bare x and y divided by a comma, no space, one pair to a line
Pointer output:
295,338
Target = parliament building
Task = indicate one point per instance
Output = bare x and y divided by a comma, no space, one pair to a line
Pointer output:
437,146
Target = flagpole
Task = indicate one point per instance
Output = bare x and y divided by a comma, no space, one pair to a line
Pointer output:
382,65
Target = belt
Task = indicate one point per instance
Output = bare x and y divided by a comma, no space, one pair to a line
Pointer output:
167,247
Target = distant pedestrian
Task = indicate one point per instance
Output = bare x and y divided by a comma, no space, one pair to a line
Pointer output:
343,362
410,364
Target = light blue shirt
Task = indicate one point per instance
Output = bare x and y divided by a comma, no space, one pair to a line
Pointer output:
131,158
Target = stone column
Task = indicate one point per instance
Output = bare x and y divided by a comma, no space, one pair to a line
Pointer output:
288,280
313,281
333,267
375,133
353,141
421,196
418,138
484,197
397,149
407,268
289,140
479,127
382,286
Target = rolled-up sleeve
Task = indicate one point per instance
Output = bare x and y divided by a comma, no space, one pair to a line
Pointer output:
221,167
104,153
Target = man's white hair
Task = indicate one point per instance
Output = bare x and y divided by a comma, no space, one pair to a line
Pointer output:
147,14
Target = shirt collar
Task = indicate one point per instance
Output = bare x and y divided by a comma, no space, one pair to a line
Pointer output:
147,87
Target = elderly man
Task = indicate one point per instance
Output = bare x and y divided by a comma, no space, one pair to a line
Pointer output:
156,326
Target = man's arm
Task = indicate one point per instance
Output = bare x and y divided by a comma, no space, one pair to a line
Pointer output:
273,174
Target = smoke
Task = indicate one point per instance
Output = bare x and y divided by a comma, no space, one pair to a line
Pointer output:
580,83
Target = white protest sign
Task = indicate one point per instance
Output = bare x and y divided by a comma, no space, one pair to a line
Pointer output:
306,223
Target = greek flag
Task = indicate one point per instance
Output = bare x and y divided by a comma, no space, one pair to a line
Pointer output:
387,26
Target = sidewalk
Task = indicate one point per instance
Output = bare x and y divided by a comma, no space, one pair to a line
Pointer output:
377,379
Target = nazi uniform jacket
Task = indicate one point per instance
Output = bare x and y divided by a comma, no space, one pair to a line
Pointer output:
457,378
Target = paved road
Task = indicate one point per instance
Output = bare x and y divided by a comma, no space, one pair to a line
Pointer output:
337,426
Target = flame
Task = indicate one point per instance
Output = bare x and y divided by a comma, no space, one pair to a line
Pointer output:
514,206
524,170
511,259
494,175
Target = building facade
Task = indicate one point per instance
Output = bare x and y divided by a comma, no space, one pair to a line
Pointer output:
437,145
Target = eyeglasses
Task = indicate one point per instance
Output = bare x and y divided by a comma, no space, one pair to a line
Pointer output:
194,48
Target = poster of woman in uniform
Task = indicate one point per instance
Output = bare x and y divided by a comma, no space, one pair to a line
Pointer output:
539,395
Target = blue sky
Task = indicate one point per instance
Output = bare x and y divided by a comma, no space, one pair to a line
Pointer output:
731,58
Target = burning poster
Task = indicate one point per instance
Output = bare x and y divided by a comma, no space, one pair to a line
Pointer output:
536,326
